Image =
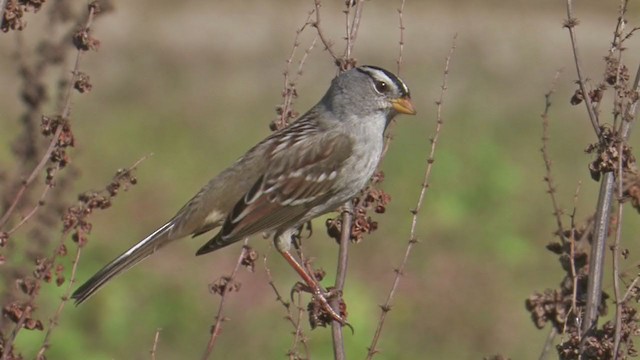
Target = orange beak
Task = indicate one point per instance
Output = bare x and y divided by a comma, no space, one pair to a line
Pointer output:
403,105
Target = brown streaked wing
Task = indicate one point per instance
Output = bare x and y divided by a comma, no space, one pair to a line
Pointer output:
299,177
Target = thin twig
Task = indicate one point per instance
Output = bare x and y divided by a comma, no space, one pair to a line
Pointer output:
401,42
53,322
634,283
598,249
65,112
605,197
615,252
347,19
154,347
299,336
548,179
615,248
36,172
425,184
288,88
616,47
570,25
624,133
605,200
36,207
32,296
341,275
548,343
55,319
572,261
219,319
317,24
355,25
551,189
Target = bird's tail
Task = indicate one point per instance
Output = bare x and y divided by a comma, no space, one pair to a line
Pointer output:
137,253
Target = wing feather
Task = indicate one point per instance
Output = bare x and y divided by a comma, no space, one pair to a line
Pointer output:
299,177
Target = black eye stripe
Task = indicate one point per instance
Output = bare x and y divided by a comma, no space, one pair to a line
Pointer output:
370,70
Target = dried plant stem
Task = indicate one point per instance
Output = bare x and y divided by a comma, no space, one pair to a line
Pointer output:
615,253
425,185
54,140
34,174
572,260
634,283
328,45
219,319
35,208
53,322
548,179
615,248
352,29
30,301
605,197
548,343
288,90
295,322
401,41
551,190
570,25
598,248
624,133
603,213
154,347
347,19
341,275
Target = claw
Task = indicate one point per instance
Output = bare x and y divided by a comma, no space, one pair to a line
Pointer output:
319,294
299,287
322,314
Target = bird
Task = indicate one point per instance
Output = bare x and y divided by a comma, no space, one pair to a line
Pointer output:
320,161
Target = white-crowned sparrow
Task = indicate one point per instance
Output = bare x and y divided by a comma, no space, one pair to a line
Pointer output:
300,172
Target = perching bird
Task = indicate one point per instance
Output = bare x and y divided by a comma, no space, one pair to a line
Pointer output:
307,169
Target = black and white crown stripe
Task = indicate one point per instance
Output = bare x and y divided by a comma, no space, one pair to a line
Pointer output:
386,76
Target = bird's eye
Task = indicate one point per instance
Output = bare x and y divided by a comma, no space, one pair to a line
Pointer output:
381,87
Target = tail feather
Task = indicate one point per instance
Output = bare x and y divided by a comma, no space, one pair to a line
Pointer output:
131,257
214,244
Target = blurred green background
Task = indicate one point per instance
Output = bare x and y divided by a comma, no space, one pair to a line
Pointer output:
196,84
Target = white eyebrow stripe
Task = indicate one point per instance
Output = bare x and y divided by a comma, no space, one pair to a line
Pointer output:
382,74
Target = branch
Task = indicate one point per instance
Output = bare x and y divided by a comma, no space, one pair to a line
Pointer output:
401,42
551,190
122,175
327,43
285,111
425,184
55,143
64,114
570,24
603,213
224,289
548,179
296,323
625,130
352,32
156,338
341,275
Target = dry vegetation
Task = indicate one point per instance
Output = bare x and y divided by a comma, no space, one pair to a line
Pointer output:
438,258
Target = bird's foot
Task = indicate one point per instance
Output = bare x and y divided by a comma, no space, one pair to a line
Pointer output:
311,285
320,311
